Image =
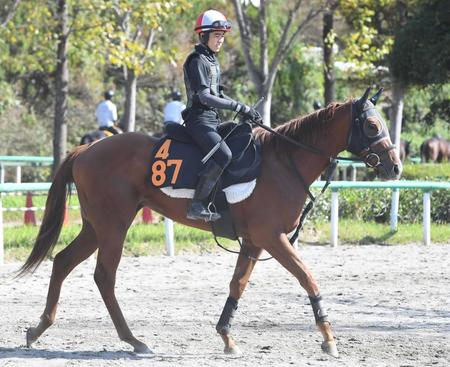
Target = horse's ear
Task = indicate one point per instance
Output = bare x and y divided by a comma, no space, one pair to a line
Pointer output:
376,96
363,99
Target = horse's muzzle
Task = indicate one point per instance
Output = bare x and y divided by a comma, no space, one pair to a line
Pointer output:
391,172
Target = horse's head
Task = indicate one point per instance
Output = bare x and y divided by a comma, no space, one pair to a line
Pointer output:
369,138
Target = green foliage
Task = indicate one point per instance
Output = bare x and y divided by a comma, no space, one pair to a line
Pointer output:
7,97
427,171
375,205
369,233
298,84
144,240
425,115
131,30
421,54
367,44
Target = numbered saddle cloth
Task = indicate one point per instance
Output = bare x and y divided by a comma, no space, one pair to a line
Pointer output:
176,161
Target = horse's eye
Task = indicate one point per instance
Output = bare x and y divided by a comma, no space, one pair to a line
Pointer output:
372,127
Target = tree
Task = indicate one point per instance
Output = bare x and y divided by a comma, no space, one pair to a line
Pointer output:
61,85
130,38
328,37
262,64
421,52
7,11
374,23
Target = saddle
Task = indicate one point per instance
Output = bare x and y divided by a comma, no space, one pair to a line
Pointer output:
176,159
176,164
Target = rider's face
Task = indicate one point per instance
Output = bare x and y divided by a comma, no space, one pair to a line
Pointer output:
215,40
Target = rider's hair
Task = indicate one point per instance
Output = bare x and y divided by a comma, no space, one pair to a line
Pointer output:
204,37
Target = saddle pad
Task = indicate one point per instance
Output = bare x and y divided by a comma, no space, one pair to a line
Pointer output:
234,193
176,159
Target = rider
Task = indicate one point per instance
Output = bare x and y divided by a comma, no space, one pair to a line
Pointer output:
173,109
202,81
106,113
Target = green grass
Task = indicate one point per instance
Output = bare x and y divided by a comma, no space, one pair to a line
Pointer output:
143,239
426,171
366,233
19,201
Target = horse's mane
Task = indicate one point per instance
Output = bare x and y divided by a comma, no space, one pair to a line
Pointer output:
305,129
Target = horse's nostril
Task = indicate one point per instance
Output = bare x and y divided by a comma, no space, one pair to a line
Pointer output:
396,169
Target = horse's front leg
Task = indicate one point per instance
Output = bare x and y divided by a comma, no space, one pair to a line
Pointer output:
244,267
281,249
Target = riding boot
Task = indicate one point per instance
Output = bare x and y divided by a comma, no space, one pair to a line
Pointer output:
208,179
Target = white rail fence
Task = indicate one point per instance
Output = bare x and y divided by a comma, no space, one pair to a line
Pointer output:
18,162
335,186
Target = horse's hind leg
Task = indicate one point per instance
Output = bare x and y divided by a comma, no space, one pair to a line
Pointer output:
109,254
65,261
286,255
244,267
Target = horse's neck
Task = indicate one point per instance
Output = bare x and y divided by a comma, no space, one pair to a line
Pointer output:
332,142
336,135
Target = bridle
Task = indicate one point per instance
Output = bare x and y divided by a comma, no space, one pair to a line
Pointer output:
362,139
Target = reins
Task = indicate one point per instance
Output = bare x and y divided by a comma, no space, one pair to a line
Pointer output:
312,200
333,162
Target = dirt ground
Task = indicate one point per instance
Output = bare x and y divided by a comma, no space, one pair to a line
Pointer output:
390,306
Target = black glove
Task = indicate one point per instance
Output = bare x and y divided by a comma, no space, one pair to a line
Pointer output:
248,112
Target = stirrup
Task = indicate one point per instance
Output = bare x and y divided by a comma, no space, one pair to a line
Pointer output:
205,214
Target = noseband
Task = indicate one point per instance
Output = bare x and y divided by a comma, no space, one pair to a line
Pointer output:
361,139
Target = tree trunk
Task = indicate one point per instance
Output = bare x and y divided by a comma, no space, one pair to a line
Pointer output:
328,59
129,120
265,107
396,117
61,87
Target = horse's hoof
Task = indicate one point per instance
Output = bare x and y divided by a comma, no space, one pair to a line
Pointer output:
31,337
232,350
330,348
142,349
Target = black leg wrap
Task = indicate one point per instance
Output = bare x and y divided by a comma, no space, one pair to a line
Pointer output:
320,314
224,325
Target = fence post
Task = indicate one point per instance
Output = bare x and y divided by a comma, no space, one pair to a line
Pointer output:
334,217
394,208
2,173
2,253
18,174
426,218
353,171
170,246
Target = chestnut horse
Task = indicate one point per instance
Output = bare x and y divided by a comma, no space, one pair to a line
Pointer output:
112,181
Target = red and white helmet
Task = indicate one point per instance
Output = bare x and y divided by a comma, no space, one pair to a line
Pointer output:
212,20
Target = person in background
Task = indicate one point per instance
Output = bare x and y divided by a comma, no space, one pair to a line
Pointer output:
173,109
106,114
204,99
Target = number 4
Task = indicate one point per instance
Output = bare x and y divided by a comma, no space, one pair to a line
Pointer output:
163,152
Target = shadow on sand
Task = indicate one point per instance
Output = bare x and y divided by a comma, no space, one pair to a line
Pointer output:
27,353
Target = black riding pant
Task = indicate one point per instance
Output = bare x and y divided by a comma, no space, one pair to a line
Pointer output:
202,127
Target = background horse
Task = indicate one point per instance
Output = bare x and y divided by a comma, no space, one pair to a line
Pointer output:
95,135
435,150
112,179
92,136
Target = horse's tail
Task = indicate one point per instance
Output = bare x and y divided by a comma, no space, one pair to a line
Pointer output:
53,215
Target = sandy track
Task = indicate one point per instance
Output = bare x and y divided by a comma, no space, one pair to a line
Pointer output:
390,306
